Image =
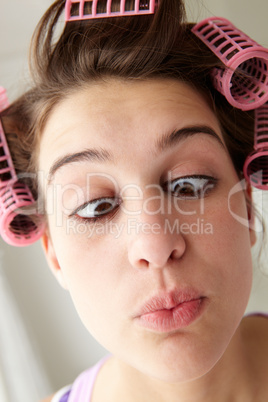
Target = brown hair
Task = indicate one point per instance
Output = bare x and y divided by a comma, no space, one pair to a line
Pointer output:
131,48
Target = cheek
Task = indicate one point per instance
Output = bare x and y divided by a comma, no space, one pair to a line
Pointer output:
230,248
86,263
91,268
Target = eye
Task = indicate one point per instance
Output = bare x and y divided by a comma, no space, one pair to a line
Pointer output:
191,187
96,209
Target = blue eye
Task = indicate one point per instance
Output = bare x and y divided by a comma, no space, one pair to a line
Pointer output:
96,209
191,187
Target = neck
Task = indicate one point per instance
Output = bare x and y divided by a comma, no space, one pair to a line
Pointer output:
229,380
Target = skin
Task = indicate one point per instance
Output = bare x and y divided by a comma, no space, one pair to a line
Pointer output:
110,278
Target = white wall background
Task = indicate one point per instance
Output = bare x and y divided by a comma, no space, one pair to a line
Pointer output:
58,338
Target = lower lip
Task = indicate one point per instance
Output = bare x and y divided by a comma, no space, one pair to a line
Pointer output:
176,318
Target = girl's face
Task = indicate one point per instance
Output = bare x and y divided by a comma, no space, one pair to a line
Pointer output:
146,226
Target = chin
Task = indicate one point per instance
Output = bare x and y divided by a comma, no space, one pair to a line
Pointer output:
178,368
179,375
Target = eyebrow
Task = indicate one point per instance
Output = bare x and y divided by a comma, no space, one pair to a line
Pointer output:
88,155
101,155
169,140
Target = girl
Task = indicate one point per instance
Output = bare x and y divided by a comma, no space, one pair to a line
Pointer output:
136,166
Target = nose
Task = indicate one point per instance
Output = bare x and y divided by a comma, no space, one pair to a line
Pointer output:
155,241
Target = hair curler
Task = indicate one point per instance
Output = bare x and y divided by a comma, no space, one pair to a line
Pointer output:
77,10
244,80
256,165
16,227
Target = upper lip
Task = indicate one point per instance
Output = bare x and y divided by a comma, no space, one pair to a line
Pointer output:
168,300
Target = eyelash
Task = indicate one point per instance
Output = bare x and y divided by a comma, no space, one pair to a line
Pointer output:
115,203
207,184
187,183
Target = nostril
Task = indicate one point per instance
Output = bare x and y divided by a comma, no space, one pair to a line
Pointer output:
175,255
156,251
144,263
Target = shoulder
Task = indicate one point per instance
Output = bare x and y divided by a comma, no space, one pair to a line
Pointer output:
86,379
48,399
57,397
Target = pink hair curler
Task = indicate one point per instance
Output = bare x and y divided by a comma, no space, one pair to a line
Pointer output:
16,228
3,99
89,9
7,171
256,165
244,80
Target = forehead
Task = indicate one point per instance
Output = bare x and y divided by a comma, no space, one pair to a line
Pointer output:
119,114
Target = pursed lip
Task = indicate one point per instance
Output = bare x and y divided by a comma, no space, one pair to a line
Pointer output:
171,311
168,300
